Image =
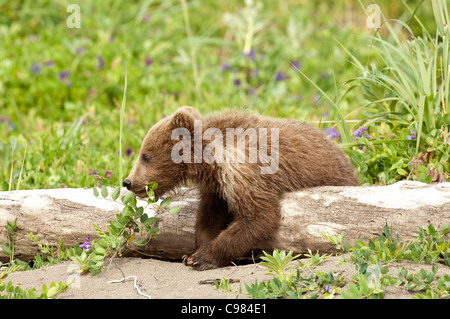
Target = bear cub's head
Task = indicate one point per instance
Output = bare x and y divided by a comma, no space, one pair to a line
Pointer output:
155,163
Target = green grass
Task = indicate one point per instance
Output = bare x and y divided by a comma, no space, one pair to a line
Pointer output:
62,122
407,87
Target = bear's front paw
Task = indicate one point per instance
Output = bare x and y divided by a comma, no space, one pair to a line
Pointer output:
197,262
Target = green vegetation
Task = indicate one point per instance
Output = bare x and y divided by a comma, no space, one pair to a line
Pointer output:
9,291
89,256
382,92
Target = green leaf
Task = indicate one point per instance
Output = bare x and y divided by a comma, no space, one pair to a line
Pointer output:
44,289
115,194
98,258
445,228
94,270
104,191
95,191
166,202
100,250
139,211
446,119
127,211
141,242
354,291
149,221
151,196
431,230
117,226
154,230
52,291
99,231
127,197
174,210
153,185
420,121
346,295
133,202
143,218
6,250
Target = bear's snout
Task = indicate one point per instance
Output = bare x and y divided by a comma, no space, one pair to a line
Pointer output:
127,183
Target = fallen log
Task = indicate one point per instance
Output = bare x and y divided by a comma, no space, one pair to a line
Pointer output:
356,212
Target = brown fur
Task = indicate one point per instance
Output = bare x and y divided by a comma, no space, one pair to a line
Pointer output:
239,206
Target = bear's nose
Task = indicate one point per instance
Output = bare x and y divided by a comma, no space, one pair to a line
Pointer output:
126,183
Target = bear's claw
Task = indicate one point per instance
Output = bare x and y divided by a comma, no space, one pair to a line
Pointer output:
195,262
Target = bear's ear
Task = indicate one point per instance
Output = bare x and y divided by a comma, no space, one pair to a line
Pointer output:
185,117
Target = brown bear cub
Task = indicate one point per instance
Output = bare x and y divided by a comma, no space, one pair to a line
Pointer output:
242,164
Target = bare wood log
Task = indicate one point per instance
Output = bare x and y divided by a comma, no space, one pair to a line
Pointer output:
353,211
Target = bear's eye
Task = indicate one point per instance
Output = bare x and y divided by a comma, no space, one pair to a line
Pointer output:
146,158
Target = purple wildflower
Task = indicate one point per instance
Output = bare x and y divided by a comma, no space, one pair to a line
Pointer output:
128,152
86,245
5,119
49,63
146,17
148,60
225,67
36,68
108,174
63,75
237,82
295,64
412,136
250,55
360,131
328,289
280,76
80,50
333,133
100,62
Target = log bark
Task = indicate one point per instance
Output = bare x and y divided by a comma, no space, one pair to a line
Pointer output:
305,215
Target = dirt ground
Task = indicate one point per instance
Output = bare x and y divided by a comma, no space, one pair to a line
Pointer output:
158,279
